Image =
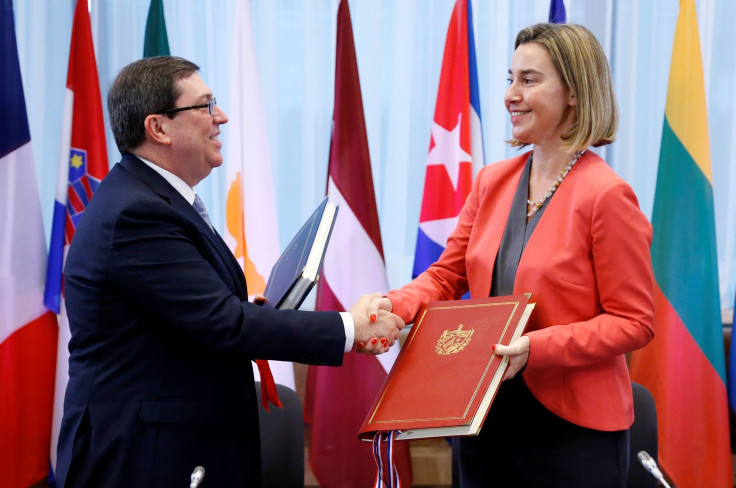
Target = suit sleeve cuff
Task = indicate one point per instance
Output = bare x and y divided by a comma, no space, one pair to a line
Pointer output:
347,322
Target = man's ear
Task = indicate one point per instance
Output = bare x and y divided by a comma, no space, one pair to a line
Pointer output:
156,129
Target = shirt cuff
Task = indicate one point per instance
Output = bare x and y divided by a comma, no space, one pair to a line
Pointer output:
347,322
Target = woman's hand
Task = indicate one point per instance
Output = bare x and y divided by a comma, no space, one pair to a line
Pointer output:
376,329
518,353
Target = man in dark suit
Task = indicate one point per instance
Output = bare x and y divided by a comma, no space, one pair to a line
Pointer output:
160,376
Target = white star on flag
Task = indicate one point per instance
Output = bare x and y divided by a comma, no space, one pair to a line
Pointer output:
447,150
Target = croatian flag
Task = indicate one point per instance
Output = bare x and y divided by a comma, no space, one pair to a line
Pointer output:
27,328
456,145
82,165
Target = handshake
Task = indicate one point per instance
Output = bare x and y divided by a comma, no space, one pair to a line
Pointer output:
376,328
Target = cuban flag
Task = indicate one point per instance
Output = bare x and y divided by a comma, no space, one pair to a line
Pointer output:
456,144
82,165
27,329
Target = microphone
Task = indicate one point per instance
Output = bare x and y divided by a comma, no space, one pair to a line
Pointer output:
651,465
197,477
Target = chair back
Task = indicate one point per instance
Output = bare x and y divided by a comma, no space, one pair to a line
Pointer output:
282,441
643,437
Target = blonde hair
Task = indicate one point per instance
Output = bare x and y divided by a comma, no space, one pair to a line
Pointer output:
579,59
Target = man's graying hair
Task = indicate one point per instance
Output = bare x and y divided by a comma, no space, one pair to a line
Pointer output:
142,88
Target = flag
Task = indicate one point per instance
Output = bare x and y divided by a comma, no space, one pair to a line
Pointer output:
353,266
28,330
456,144
251,226
684,366
156,42
82,165
732,367
557,12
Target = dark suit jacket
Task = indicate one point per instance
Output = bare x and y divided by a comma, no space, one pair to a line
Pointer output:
160,377
589,270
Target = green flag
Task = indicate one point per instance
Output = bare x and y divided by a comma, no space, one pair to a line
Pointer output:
156,42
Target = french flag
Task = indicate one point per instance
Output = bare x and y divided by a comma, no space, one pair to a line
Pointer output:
456,144
82,165
27,329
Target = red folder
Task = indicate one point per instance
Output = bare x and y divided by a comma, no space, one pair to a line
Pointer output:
446,376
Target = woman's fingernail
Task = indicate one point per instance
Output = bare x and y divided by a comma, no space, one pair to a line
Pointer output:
383,341
360,345
373,341
373,317
494,347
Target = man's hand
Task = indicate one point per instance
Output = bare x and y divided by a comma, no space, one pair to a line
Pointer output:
374,336
518,353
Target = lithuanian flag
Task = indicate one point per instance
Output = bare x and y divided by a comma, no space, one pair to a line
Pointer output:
684,365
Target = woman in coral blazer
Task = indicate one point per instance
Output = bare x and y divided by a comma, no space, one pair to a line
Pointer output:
559,223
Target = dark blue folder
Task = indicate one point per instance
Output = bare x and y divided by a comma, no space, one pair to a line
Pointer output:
294,274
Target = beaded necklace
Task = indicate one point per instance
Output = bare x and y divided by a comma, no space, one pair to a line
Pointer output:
538,204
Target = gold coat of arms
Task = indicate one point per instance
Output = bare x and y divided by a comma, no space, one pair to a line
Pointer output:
451,342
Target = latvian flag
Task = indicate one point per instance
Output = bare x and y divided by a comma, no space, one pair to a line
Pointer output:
339,398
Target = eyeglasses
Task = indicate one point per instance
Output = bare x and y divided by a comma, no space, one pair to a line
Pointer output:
210,105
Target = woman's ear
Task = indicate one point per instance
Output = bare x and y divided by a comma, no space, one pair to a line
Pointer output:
156,126
572,100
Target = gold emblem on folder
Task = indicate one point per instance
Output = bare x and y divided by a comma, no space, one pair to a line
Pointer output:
452,342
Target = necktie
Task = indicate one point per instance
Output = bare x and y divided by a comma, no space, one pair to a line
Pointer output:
202,211
268,385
